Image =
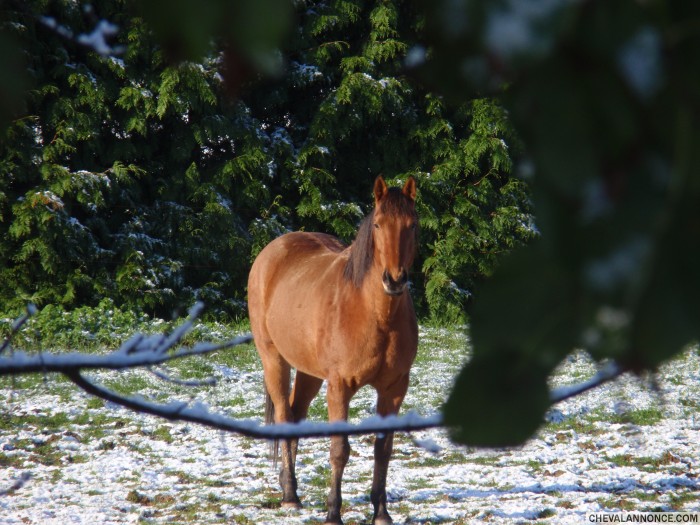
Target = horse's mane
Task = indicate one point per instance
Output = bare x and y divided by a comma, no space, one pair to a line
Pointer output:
362,248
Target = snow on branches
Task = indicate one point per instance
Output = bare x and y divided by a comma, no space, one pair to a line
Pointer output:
148,351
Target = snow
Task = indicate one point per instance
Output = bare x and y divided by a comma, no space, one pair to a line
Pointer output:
415,57
139,469
280,137
51,23
640,61
97,40
52,201
305,72
515,29
620,266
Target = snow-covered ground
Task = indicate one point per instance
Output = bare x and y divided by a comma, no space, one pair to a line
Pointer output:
630,445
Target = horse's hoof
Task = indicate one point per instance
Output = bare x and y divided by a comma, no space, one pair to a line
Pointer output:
291,505
385,520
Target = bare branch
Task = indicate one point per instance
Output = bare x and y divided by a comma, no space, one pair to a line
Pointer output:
18,484
71,366
607,373
17,325
210,381
148,351
131,355
176,336
200,414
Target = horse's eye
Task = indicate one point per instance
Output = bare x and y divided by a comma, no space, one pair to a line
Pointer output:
376,226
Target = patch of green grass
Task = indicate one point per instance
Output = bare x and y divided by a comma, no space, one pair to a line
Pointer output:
10,461
441,344
56,475
240,519
418,483
534,464
590,424
95,403
130,383
427,461
644,496
213,483
21,382
618,503
242,357
581,425
646,463
139,448
691,403
318,411
191,369
234,402
162,433
183,478
48,422
321,476
482,460
546,513
46,454
641,417
680,499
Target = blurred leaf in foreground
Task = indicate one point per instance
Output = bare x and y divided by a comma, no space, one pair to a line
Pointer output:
606,98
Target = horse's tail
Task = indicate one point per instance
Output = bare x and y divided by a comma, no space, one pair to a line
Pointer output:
274,451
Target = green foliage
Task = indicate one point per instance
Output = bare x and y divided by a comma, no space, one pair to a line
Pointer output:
604,98
94,328
80,328
137,177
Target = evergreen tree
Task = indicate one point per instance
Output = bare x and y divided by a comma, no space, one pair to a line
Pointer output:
348,112
137,177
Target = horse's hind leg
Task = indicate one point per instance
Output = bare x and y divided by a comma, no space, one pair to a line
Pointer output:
305,389
277,372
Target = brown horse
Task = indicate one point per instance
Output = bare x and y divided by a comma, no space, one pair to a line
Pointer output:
343,315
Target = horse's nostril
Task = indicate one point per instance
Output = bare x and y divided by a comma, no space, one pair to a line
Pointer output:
395,286
388,278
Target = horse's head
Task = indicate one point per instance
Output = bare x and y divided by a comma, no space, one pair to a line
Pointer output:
395,232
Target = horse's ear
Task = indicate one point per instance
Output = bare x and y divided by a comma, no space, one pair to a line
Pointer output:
380,189
409,189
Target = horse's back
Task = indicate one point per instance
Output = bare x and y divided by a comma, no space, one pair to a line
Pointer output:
291,251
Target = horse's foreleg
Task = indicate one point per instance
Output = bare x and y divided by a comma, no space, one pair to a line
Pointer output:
338,401
383,447
388,402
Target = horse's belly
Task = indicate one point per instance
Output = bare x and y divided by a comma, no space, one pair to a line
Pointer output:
294,320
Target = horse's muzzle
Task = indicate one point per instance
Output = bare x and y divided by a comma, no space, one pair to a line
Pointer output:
395,286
